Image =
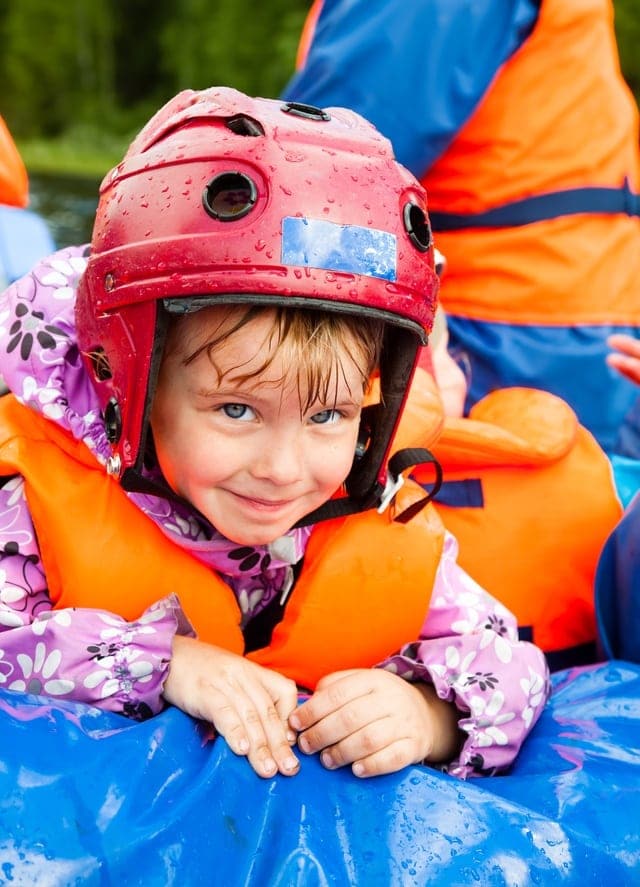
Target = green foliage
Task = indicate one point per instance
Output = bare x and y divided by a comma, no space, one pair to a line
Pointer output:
57,63
110,63
84,73
244,44
627,24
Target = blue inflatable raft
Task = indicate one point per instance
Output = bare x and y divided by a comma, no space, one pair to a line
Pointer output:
90,798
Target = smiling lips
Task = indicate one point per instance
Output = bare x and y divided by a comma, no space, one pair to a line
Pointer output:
263,504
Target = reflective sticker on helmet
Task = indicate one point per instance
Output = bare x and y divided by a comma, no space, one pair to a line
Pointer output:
312,243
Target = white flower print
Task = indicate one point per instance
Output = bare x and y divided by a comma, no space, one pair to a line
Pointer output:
39,624
501,646
38,673
15,487
10,619
186,528
45,399
119,673
455,670
248,600
468,625
485,712
127,632
6,668
4,315
533,688
62,276
10,594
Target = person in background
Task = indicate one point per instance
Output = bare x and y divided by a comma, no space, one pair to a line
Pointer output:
618,574
524,484
515,116
14,184
24,236
625,356
204,504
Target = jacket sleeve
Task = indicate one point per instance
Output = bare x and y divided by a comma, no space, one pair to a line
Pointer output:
469,650
85,655
417,70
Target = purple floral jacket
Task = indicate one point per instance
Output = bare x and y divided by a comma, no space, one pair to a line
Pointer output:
468,647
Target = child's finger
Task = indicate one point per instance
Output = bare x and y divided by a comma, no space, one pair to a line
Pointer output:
330,696
371,751
270,749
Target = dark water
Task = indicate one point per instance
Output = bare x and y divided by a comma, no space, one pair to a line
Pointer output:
67,203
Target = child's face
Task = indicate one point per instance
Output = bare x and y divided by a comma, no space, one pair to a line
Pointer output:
242,452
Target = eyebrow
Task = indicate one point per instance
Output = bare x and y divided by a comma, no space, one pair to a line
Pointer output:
241,393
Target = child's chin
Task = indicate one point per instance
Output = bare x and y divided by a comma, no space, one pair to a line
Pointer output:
254,536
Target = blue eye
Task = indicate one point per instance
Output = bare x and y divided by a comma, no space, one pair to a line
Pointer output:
238,411
325,417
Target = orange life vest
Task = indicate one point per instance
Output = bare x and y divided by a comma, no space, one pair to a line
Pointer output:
531,501
14,187
574,269
363,590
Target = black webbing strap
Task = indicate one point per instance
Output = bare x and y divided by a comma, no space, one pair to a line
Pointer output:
409,458
542,207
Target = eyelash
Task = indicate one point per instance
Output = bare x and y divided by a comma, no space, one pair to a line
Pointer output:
225,406
334,415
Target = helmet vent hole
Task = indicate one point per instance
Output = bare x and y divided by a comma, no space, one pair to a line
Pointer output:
100,365
244,126
229,196
310,112
417,226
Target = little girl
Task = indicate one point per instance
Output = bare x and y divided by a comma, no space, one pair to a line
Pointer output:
201,506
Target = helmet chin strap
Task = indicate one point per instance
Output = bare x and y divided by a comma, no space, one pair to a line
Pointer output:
381,497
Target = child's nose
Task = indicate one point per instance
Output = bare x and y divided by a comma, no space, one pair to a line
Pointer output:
280,460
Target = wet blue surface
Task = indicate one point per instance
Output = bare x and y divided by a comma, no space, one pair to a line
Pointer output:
90,798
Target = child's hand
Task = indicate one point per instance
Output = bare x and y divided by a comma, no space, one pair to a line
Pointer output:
626,356
376,721
247,704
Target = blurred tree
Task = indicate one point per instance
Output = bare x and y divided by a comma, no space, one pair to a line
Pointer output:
627,22
57,63
105,65
239,43
138,26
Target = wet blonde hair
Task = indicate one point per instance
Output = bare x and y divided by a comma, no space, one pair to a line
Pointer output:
312,342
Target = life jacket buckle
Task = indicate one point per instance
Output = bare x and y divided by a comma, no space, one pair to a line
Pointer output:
391,488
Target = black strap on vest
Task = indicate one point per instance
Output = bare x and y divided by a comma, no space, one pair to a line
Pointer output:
134,482
399,462
542,207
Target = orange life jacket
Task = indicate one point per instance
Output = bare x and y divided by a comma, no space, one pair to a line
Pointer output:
14,187
531,501
363,590
573,269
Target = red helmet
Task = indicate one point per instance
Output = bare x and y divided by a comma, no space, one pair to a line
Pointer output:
223,198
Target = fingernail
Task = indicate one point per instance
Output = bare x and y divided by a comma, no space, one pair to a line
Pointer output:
304,744
269,765
358,770
327,760
291,764
291,736
295,722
